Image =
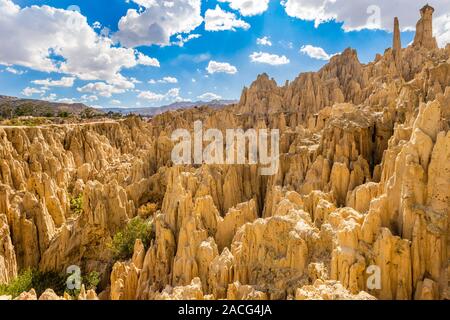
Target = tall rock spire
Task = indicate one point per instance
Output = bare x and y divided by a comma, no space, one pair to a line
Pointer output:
397,45
424,29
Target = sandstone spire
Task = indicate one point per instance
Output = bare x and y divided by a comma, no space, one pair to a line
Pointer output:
397,45
424,29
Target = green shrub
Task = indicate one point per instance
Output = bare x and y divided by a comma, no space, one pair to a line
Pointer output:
91,280
63,114
41,281
76,205
17,286
123,241
37,280
49,280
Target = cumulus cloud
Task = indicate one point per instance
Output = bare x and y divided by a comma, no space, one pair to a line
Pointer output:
248,7
146,60
47,39
264,41
158,22
316,52
14,71
182,40
89,98
164,80
371,14
67,100
150,96
221,67
209,96
267,58
219,20
102,89
63,82
172,95
28,91
50,97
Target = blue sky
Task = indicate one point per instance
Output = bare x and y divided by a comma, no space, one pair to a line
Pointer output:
172,71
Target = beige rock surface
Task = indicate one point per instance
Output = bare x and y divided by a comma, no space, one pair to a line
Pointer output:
361,196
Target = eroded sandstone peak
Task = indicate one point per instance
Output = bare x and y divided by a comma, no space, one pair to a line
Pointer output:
424,29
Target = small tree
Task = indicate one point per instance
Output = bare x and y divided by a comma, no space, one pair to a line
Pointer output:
123,242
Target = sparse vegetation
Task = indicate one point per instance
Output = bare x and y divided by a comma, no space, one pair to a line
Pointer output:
123,242
91,280
37,280
63,114
17,286
41,281
25,121
76,205
114,115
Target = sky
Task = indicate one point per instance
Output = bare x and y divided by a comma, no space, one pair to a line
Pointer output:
148,53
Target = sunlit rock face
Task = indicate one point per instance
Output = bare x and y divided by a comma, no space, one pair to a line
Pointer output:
358,208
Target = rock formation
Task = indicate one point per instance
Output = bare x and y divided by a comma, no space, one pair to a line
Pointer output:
397,45
424,29
359,207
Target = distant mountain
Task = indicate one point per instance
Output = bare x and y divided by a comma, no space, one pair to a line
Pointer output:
174,106
12,106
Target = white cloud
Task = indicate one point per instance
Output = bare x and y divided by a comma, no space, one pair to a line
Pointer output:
14,71
89,98
371,14
171,95
150,96
220,67
219,20
171,80
102,89
267,58
182,40
146,60
442,30
50,97
316,52
63,82
264,41
56,40
67,100
28,91
97,25
115,102
248,7
158,22
209,96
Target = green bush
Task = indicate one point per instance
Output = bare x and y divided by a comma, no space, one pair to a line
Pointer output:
91,280
41,281
76,205
16,287
123,241
37,280
49,280
63,114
